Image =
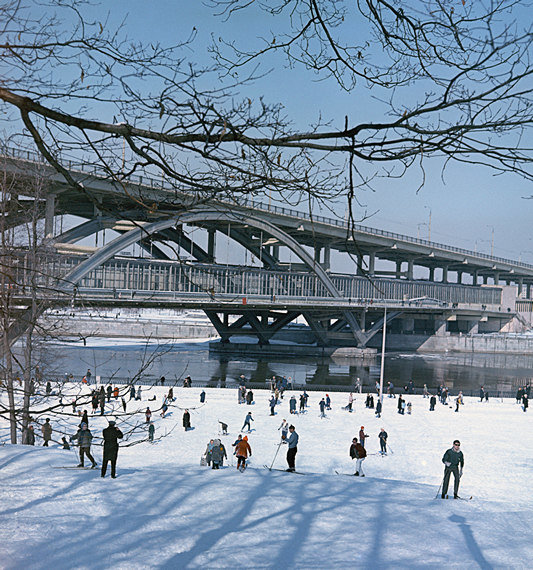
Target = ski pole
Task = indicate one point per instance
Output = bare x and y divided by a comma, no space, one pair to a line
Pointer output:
279,445
390,449
440,486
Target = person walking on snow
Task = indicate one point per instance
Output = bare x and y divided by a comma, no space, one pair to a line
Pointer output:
247,421
293,449
350,402
328,402
242,451
322,405
186,420
272,404
111,436
454,462
432,403
284,427
362,435
151,431
84,437
383,441
47,432
357,452
292,405
379,407
148,415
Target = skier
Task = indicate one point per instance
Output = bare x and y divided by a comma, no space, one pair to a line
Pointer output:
164,409
84,418
328,402
302,403
242,449
362,435
249,397
208,451
357,451
170,396
452,459
322,405
47,432
425,391
350,402
111,436
525,402
148,415
84,437
109,392
132,392
284,427
367,401
223,427
202,396
391,390
400,404
247,421
272,404
88,376
186,420
236,443
432,403
293,449
383,441
138,397
151,431
379,406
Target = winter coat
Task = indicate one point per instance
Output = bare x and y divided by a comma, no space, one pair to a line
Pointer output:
378,407
293,440
111,436
454,457
186,420
30,437
383,435
243,449
218,453
47,431
292,403
84,437
322,405
357,451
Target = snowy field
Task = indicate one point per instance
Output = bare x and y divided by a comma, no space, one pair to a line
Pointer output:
165,511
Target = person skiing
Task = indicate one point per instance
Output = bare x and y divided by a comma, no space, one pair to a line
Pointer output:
247,421
236,443
302,403
242,450
202,396
208,451
249,398
284,427
46,430
425,392
432,403
109,392
358,452
379,407
322,405
223,427
383,441
328,402
84,437
151,432
186,420
84,418
132,393
138,396
148,415
293,449
362,435
111,436
164,409
454,461
350,402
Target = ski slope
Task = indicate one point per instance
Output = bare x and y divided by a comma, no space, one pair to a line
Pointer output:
165,511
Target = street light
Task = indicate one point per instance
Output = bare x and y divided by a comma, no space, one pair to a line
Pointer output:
382,369
491,240
429,223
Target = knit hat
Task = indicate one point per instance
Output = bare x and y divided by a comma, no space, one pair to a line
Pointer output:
112,422
245,438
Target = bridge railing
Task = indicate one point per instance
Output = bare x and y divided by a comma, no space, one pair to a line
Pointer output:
153,182
124,274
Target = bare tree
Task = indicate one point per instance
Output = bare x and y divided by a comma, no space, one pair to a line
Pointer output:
453,80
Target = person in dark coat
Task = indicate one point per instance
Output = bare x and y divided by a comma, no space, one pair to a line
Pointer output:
249,397
383,441
84,437
400,403
525,402
432,403
84,418
47,432
362,436
454,461
111,436
109,392
202,396
358,452
29,437
186,420
379,406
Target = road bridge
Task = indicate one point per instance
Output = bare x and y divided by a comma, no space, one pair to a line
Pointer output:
342,309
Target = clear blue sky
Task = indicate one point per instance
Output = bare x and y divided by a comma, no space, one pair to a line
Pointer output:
466,207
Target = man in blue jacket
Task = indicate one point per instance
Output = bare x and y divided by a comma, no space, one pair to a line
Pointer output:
454,461
293,448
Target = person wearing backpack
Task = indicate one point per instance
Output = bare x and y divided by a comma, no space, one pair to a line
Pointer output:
357,452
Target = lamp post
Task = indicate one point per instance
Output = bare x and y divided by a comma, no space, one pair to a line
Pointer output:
382,369
429,223
491,240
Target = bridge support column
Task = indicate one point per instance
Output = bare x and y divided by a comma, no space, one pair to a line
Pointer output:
410,269
459,277
398,269
408,325
473,327
520,283
49,215
485,279
496,278
440,326
432,274
317,254
359,265
528,290
445,274
371,264
211,244
327,258
474,277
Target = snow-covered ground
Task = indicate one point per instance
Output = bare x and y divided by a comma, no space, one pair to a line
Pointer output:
165,511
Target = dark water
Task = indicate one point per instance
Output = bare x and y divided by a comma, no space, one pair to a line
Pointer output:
467,372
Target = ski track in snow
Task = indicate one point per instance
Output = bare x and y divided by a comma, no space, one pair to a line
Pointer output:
165,511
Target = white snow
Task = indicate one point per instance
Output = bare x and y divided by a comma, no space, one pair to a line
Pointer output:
165,511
